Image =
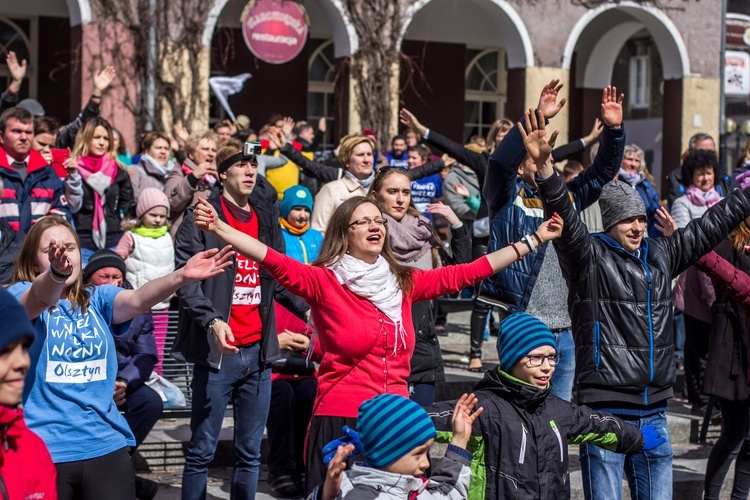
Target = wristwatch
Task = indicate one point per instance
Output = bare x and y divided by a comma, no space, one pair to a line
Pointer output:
210,325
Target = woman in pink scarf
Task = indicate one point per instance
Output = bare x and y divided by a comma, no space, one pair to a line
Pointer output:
694,293
107,191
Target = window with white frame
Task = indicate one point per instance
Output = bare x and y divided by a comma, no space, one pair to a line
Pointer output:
639,81
485,90
321,76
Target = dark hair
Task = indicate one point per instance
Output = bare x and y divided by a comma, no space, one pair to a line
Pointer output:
336,241
46,125
22,115
397,137
274,118
422,151
219,125
572,168
699,159
150,139
301,127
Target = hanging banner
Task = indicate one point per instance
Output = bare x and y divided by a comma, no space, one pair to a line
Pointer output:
275,31
738,30
737,73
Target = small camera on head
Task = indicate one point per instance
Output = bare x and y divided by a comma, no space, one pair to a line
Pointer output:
251,151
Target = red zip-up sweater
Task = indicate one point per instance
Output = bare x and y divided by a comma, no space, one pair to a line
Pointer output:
355,337
26,468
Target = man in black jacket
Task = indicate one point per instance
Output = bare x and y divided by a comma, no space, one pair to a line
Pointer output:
227,327
620,304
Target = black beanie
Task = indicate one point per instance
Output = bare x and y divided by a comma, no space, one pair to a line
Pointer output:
100,259
16,323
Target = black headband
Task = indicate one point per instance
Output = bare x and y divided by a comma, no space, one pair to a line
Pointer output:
224,166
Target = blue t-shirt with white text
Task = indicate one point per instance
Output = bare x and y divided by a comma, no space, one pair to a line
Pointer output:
68,394
424,190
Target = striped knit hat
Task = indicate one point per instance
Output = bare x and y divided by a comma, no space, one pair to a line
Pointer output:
520,334
390,426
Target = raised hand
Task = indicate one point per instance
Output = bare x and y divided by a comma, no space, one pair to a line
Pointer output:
408,119
103,79
548,104
181,133
287,126
17,71
596,131
665,224
538,145
208,264
231,125
276,136
463,419
334,475
205,216
445,211
612,107
58,258
322,125
551,229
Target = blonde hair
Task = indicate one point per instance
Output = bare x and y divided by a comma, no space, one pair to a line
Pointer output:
86,134
347,145
501,125
24,267
191,144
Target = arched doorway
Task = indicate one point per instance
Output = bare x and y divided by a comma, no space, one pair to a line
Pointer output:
287,88
638,49
461,72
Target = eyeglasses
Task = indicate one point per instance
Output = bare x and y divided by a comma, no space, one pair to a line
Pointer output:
368,222
538,360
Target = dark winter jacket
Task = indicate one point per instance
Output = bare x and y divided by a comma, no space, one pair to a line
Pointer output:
136,351
40,194
727,364
620,303
520,441
119,204
516,210
202,301
10,246
427,360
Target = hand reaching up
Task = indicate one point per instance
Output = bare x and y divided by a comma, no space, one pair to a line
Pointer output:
335,473
664,222
551,229
408,119
463,419
548,104
277,137
534,135
17,71
612,107
103,79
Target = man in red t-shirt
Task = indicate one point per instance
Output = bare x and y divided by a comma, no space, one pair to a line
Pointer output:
227,325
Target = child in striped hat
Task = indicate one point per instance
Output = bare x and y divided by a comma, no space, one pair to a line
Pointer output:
521,439
395,435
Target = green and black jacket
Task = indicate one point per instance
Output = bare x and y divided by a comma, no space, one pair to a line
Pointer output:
520,441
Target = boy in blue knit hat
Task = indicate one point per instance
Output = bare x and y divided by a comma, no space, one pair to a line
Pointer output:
395,435
302,242
521,439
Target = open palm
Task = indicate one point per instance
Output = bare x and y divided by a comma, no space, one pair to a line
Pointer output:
612,107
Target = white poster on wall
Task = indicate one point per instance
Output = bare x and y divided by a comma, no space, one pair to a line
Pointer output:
737,73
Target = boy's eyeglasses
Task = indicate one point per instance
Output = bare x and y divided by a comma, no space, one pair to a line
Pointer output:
368,222
538,359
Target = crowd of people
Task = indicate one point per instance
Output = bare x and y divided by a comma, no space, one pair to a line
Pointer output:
305,281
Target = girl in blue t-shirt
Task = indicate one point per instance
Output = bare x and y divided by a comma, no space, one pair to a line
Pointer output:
68,396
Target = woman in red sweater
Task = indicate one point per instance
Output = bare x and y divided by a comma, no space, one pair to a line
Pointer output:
360,299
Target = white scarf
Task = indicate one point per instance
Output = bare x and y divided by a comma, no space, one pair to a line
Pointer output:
377,284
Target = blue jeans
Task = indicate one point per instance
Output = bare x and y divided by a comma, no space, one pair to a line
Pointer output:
649,473
565,371
242,377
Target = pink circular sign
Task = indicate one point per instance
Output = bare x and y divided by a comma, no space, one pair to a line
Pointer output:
275,30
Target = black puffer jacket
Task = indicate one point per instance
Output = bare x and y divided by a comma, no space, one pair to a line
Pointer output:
521,438
202,301
427,361
620,304
10,246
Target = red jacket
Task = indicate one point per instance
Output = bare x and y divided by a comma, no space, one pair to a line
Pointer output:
357,338
26,467
734,281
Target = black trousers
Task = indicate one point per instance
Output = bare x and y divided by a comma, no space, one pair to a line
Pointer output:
142,410
697,333
290,412
733,442
111,476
